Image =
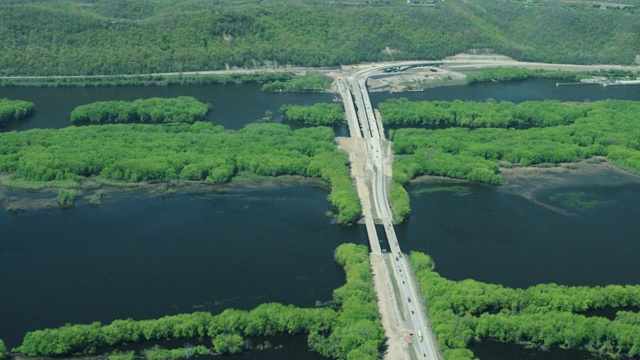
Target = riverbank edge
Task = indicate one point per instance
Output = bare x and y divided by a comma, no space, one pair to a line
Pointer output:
528,181
459,63
94,190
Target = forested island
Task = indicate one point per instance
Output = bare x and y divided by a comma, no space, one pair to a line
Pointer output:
317,114
556,133
13,110
545,315
63,158
472,114
347,327
69,37
136,41
183,109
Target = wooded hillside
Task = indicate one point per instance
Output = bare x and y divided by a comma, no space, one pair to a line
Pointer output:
72,37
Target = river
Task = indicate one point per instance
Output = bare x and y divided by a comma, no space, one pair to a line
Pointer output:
144,256
517,92
234,105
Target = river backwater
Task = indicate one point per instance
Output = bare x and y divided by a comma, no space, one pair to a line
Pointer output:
567,234
145,256
233,105
517,92
571,228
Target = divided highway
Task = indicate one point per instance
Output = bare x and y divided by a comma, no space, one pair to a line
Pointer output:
363,124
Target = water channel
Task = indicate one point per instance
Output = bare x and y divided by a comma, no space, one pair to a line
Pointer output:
234,105
145,256
139,255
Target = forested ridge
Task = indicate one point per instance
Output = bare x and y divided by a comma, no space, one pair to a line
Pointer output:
546,315
573,132
203,152
73,37
349,328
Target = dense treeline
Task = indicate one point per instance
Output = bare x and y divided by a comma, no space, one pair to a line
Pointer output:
546,315
309,82
183,109
135,152
225,329
316,114
351,331
616,74
609,128
146,80
357,332
13,110
516,73
400,201
472,114
62,37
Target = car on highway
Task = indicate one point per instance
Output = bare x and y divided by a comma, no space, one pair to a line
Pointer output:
409,299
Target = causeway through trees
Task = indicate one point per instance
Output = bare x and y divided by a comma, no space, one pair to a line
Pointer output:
406,325
375,157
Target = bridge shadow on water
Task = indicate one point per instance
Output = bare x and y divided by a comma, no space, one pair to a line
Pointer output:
382,238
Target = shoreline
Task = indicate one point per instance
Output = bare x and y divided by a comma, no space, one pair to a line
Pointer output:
592,169
451,72
519,180
94,192
528,181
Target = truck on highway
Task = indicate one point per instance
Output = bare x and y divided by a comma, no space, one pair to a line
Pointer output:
419,336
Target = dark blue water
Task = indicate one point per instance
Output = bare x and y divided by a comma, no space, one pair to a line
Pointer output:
144,257
140,256
234,105
495,350
517,92
282,347
481,232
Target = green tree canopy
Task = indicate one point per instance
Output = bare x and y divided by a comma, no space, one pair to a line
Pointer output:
13,110
183,109
545,314
59,37
202,152
317,114
351,329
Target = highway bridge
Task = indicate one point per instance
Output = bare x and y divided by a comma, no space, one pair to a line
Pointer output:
373,187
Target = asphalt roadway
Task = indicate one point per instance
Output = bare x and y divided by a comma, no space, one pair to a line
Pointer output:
370,129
